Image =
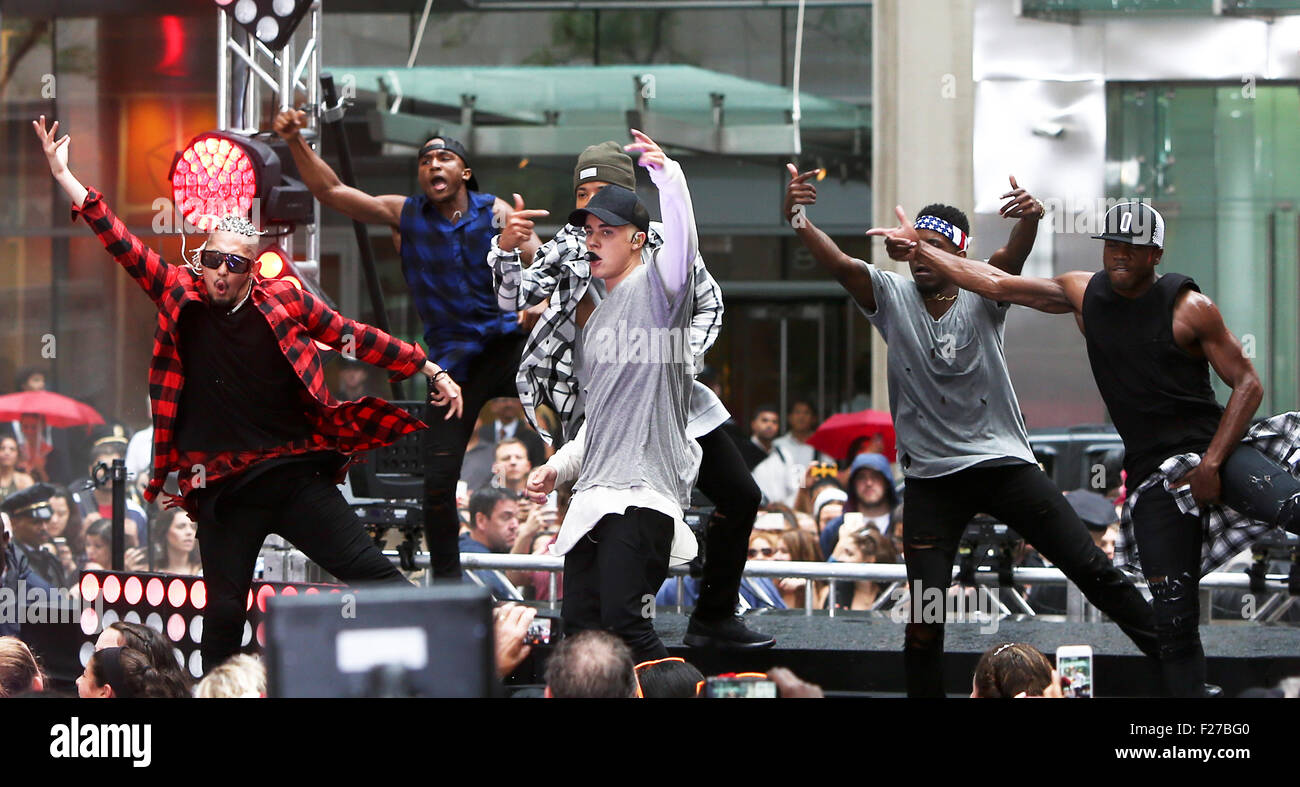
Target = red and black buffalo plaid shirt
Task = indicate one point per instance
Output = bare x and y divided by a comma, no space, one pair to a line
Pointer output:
296,318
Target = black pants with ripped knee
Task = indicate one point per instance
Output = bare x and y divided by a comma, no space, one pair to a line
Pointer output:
1170,544
1023,497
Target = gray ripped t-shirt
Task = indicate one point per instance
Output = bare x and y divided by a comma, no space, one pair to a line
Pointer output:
949,388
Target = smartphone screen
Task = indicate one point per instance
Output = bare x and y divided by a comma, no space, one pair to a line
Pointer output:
1076,674
539,632
730,688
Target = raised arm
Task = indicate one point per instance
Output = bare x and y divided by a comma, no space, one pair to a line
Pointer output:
325,184
1061,295
1027,210
681,241
371,345
142,263
852,275
1197,315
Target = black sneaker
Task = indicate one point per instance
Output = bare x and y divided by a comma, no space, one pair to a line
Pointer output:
730,633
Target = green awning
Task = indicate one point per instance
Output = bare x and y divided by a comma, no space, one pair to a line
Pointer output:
560,109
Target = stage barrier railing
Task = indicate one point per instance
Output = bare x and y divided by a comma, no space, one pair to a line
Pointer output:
1078,608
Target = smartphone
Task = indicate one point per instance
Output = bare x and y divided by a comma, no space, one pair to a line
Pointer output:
769,520
1074,665
736,687
853,522
543,631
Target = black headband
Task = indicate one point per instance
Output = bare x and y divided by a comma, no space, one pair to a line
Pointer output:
110,662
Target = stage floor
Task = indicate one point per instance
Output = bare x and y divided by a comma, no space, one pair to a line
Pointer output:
853,653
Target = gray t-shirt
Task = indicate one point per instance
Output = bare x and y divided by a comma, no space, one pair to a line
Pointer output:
949,388
707,410
636,370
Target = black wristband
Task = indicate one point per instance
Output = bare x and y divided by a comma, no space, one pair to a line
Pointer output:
439,373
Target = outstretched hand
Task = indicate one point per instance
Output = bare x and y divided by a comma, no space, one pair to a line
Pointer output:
519,225
56,153
652,156
798,192
1022,205
900,241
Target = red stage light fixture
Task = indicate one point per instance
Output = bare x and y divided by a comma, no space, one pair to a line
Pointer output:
220,173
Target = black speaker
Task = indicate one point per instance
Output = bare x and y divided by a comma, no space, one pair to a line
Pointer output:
382,642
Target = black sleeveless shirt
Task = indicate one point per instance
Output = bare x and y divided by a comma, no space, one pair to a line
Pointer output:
1159,397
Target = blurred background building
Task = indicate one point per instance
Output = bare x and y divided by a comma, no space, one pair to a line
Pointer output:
1194,105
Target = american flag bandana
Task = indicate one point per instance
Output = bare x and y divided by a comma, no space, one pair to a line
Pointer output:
960,239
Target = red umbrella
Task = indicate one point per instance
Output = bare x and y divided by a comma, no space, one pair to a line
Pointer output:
56,409
837,432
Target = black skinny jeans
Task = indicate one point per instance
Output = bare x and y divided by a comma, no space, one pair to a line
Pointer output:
1024,498
612,574
491,374
295,501
1169,545
727,482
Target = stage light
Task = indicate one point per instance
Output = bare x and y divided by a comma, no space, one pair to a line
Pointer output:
272,263
89,587
153,592
263,593
132,590
176,627
112,589
272,21
176,593
128,596
89,621
220,173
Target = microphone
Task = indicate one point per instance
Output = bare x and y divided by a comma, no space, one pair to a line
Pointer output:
591,256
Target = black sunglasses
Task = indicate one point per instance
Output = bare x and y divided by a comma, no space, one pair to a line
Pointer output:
764,551
235,263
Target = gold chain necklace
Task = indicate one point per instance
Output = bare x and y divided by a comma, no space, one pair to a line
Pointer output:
952,297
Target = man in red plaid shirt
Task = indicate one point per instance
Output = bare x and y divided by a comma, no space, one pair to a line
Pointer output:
257,440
